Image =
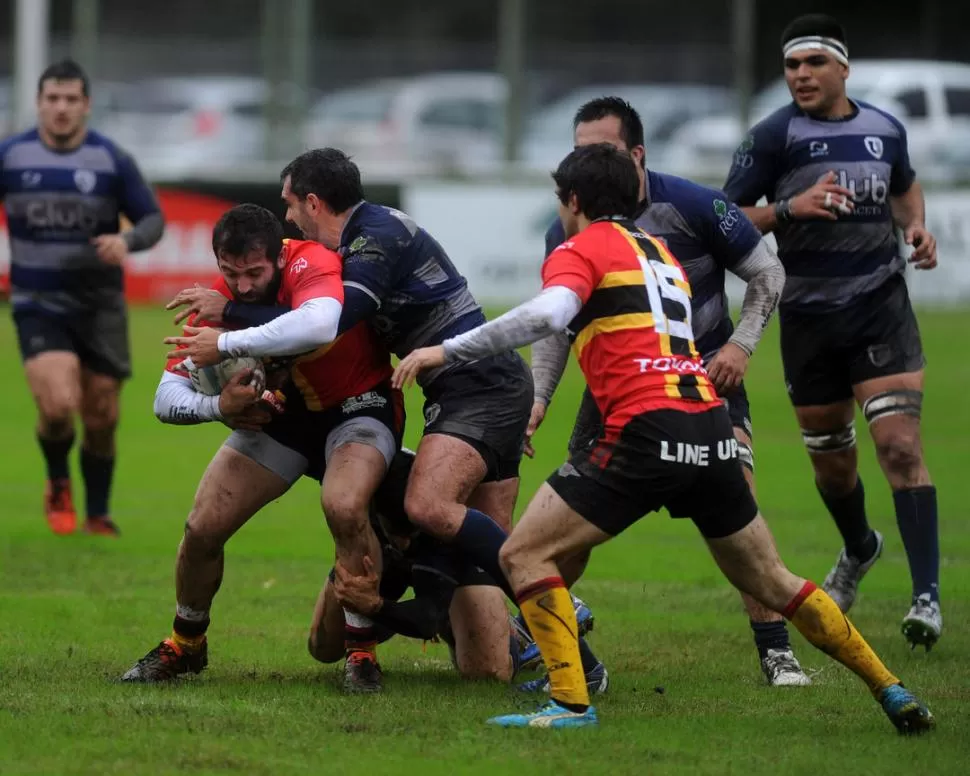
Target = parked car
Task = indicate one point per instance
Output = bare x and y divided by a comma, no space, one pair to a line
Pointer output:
931,99
663,108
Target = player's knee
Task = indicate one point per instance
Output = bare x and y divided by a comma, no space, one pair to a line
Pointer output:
901,457
426,510
324,652
57,408
346,512
199,539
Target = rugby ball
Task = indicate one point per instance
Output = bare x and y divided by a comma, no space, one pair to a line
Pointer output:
210,380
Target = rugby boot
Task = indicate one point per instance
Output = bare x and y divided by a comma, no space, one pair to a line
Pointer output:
597,682
530,658
907,712
168,661
59,508
101,526
923,625
782,669
551,715
362,673
842,582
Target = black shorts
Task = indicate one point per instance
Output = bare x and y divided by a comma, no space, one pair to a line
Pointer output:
589,423
99,338
686,462
826,354
486,403
300,441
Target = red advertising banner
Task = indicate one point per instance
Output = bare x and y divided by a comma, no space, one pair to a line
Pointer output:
182,257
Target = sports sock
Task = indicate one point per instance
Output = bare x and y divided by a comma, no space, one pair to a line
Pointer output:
770,635
549,611
820,620
586,656
189,627
97,472
481,538
55,454
359,633
849,513
916,517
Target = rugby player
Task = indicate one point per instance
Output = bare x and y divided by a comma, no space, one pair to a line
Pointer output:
838,181
667,439
401,281
434,570
709,236
341,425
64,188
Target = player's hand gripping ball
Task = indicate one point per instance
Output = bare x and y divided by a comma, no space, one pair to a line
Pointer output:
210,380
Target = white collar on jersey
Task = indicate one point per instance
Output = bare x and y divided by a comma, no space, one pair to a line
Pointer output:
807,42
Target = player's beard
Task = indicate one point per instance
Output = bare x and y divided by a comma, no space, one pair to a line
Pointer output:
267,296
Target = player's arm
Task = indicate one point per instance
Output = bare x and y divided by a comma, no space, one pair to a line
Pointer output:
737,245
368,275
178,403
909,206
139,204
550,355
567,281
317,297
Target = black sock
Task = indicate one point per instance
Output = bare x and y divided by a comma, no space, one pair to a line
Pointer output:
55,454
579,708
916,517
849,513
481,538
97,472
770,635
590,661
190,629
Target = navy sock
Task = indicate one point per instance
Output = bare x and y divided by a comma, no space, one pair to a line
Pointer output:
849,513
55,454
770,635
916,517
97,472
481,538
590,661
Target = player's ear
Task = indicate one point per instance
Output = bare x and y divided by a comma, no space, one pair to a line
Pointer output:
638,153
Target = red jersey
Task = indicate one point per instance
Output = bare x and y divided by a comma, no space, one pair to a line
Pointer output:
352,364
633,336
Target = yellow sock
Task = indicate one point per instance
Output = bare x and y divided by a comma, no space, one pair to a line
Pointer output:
548,610
188,643
819,619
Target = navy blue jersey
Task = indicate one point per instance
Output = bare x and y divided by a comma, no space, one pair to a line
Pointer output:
417,297
55,202
707,234
829,263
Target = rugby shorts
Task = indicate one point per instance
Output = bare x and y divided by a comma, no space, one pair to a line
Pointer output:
825,354
685,462
99,338
300,441
487,404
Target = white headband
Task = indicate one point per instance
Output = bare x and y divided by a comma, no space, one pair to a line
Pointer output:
806,42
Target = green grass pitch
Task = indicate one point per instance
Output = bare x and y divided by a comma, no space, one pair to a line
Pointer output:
687,695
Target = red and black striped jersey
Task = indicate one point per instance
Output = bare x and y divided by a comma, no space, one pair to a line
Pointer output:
633,337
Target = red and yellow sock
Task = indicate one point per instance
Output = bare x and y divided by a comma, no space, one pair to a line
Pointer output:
820,620
549,613
187,643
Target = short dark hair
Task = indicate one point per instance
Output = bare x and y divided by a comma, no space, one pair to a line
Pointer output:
327,172
603,178
65,70
814,24
631,126
246,228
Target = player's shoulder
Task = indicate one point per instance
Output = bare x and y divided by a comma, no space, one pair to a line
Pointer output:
20,140
772,130
381,223
96,140
301,254
686,196
878,120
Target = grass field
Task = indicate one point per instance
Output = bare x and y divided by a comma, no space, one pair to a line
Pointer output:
687,695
